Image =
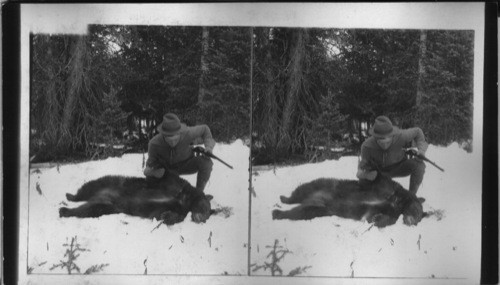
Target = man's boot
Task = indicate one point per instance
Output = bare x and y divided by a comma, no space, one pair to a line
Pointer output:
413,189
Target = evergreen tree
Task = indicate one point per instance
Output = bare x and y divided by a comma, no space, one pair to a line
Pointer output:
67,89
446,108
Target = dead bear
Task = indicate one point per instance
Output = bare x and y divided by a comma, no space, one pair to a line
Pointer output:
170,200
380,202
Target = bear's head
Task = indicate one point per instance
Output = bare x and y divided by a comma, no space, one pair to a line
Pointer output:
201,208
406,203
413,212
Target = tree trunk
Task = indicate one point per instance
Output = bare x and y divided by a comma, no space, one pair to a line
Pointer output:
74,83
294,82
421,68
51,112
203,65
271,114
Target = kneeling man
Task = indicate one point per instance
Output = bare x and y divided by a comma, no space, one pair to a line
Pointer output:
385,151
171,151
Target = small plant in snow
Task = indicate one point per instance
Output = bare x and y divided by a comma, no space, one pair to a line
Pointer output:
299,270
95,268
72,255
31,268
276,255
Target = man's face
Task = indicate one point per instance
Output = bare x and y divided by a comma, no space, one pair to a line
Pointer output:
384,143
172,140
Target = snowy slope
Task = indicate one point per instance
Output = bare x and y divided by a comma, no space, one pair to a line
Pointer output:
445,245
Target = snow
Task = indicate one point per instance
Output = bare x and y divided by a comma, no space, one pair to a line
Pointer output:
130,245
444,246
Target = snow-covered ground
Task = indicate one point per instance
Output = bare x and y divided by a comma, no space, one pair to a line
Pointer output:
132,245
445,245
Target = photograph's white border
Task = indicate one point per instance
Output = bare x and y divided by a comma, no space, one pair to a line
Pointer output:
75,18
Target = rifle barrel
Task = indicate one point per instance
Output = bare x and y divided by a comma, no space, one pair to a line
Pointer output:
412,152
435,165
429,161
222,161
209,154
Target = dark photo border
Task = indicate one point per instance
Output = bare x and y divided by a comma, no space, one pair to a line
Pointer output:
11,106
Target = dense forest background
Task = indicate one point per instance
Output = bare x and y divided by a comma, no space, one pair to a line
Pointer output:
313,89
324,87
113,86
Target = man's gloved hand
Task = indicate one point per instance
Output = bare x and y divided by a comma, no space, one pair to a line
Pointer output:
368,175
157,173
371,175
414,153
200,150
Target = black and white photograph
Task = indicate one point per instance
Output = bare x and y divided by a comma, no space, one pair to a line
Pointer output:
251,143
362,140
139,151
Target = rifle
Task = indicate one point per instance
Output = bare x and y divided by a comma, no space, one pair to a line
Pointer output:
200,150
411,152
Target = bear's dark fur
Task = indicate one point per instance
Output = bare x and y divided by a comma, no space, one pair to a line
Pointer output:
169,200
380,202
